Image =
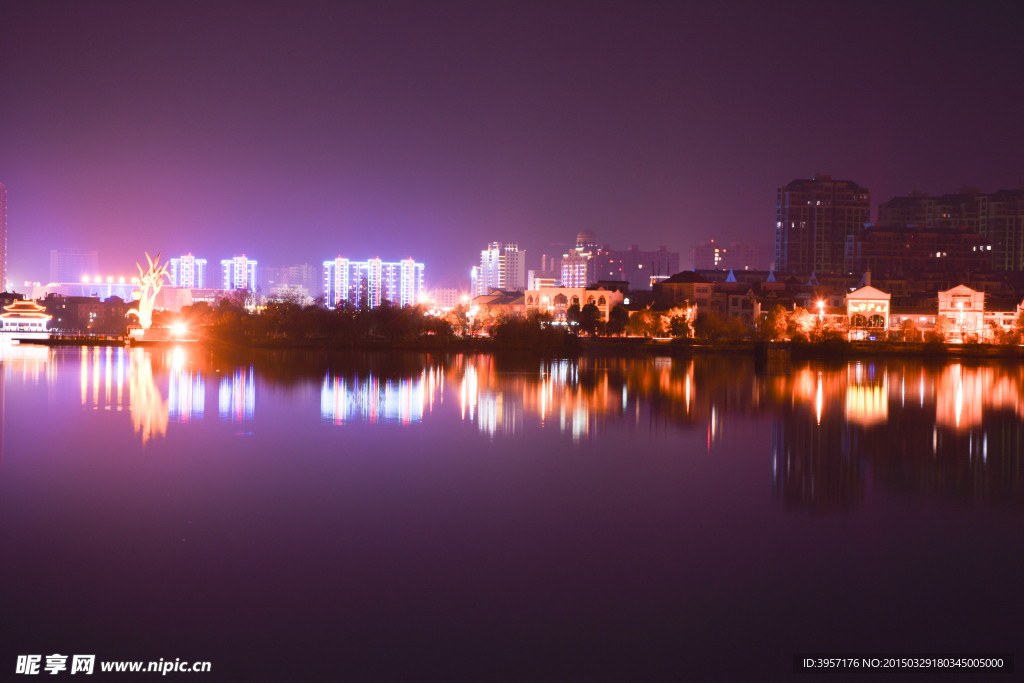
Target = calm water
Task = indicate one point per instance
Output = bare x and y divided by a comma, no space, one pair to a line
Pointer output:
412,517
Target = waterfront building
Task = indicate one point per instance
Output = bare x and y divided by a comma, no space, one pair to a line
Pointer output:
867,313
73,265
24,316
502,266
813,219
497,302
973,314
187,271
238,273
557,300
370,283
87,313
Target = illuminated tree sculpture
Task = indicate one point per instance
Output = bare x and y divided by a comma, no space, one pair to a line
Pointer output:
150,283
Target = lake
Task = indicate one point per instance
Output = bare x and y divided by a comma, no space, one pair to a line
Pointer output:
294,516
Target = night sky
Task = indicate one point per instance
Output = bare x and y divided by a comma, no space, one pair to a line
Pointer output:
296,133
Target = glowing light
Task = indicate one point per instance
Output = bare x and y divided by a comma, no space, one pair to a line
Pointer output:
98,279
179,329
85,278
120,280
110,279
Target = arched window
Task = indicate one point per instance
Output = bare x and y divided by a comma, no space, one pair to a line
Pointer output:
858,321
590,299
876,321
601,301
529,301
560,300
575,301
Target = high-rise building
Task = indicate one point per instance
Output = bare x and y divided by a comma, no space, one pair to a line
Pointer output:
579,266
447,298
813,218
712,255
998,217
370,283
73,265
707,256
502,266
238,273
635,266
187,271
303,275
3,237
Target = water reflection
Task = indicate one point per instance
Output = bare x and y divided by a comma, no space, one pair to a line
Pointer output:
104,379
186,395
237,395
830,431
374,399
148,407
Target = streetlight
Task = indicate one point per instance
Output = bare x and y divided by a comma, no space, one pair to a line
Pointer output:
821,310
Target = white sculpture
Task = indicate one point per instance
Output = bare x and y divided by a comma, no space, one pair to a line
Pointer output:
150,283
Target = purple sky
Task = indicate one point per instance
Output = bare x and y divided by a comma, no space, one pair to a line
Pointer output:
295,133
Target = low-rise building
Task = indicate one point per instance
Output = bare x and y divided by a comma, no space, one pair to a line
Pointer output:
867,313
687,287
974,315
497,303
557,300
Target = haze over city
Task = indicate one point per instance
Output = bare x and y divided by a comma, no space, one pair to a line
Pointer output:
295,133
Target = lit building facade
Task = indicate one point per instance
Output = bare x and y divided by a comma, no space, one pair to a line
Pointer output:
965,309
867,313
813,219
557,300
372,282
188,272
502,266
24,316
238,273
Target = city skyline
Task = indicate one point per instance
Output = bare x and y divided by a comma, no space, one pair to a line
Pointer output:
673,123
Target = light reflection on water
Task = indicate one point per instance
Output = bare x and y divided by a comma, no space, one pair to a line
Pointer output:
681,500
958,424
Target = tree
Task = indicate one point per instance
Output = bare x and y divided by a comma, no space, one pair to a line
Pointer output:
679,326
776,323
573,316
618,318
909,331
799,323
590,319
943,326
644,323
